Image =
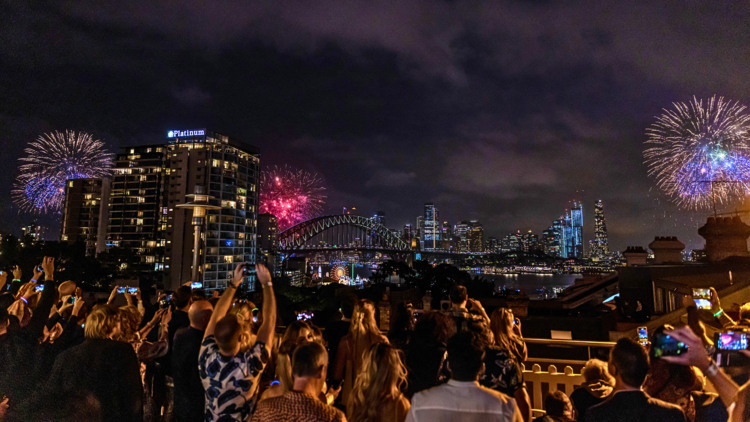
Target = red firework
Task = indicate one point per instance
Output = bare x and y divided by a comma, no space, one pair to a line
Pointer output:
293,196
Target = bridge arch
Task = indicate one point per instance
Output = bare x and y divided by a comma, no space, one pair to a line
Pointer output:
296,236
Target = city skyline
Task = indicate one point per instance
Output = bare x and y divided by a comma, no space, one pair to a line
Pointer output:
435,102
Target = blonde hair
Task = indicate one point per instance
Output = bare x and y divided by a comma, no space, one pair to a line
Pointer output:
130,320
504,335
380,381
284,364
364,331
244,313
101,322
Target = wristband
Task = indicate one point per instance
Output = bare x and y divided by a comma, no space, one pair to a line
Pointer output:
718,313
16,279
24,300
275,382
712,369
34,281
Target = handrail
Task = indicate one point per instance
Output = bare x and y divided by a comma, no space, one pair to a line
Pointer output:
581,343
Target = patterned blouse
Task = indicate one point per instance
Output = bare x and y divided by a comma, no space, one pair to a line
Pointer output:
296,406
501,371
231,383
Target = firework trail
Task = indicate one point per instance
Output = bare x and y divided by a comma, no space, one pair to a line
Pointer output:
698,152
52,159
293,196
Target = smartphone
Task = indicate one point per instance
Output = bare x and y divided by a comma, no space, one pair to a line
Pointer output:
39,269
248,270
642,333
196,285
732,340
515,321
665,345
133,290
73,300
121,289
255,314
163,304
702,298
39,287
336,384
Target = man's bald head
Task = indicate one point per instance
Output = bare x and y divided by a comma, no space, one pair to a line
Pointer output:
199,314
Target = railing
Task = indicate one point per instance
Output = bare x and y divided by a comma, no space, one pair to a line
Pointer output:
539,383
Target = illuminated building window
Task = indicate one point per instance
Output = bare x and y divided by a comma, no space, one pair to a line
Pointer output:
228,259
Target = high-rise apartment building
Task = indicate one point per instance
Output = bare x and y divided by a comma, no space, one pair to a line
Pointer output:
551,241
268,238
137,207
229,169
475,237
492,245
407,233
600,244
420,227
510,243
528,242
85,214
462,239
35,231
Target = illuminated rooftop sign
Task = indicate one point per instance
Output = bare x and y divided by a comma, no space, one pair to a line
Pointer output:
180,133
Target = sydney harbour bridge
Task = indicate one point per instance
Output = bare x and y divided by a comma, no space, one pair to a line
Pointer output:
336,235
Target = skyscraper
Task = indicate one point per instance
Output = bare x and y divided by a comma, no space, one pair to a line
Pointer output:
431,238
576,217
475,236
407,233
380,218
551,241
600,244
460,232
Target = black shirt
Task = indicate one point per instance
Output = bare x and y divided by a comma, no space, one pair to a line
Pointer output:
109,370
189,396
501,371
333,334
628,406
179,320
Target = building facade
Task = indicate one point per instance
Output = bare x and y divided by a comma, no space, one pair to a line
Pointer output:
432,227
475,237
600,245
85,214
576,217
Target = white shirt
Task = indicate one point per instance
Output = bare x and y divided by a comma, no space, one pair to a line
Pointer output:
459,401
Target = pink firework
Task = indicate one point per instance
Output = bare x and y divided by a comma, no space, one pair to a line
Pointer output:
293,196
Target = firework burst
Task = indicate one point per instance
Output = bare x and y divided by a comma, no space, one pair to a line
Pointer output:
293,196
699,154
52,159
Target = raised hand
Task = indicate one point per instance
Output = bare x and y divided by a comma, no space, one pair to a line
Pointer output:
166,316
37,273
239,273
79,302
696,354
48,265
17,272
264,276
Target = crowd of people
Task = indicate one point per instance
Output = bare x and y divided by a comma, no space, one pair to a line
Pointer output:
188,357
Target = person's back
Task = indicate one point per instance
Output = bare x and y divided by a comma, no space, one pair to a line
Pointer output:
596,388
109,370
462,398
301,403
188,390
629,365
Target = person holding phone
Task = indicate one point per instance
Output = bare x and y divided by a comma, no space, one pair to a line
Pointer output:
230,377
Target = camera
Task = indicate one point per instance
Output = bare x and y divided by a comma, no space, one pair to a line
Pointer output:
663,344
702,298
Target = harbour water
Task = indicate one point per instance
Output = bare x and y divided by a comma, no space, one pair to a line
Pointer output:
536,286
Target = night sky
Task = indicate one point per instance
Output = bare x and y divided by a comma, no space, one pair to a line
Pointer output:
502,113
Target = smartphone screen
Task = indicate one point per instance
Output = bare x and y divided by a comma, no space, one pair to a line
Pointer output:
121,289
732,340
666,345
39,287
642,333
196,285
133,290
702,298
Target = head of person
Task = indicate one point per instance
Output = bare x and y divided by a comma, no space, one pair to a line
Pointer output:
745,311
299,332
458,295
182,298
200,313
227,334
363,318
347,306
243,310
501,325
198,295
102,323
465,356
671,382
284,363
383,376
596,370
403,320
130,320
434,327
628,364
309,363
558,404
317,334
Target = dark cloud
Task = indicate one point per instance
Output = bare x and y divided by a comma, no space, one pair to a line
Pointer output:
498,111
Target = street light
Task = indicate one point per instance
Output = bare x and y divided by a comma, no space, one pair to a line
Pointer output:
199,206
